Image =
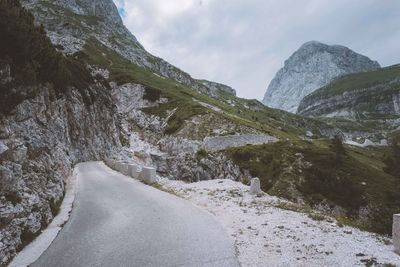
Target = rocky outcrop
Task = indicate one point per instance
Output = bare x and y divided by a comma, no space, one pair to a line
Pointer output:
217,87
367,95
188,167
176,156
224,142
40,142
311,67
71,23
363,103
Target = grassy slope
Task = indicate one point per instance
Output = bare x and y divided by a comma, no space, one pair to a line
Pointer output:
358,81
340,184
246,112
286,174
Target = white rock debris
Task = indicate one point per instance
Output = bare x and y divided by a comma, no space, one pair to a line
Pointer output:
217,143
266,235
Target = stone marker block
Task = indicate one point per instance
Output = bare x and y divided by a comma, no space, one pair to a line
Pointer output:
133,171
396,233
255,186
112,164
148,175
120,167
125,168
117,166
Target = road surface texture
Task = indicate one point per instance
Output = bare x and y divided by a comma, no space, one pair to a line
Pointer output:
118,221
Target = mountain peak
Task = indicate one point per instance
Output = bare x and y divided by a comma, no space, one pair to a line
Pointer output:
311,67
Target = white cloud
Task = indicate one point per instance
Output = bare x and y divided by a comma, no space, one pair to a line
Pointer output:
243,43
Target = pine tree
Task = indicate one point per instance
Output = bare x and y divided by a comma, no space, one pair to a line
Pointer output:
392,160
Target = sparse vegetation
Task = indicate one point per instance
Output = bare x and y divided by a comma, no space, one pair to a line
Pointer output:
338,148
33,59
201,154
392,160
358,81
152,94
310,171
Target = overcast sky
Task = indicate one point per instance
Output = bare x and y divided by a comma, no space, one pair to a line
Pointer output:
243,43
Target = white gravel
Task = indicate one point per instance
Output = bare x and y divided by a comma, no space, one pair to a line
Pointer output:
265,235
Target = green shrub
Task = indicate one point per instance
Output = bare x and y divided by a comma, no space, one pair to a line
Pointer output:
33,59
201,154
152,94
392,160
338,148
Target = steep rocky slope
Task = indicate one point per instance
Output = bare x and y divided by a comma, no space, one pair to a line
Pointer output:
70,23
44,129
312,66
162,121
40,143
374,94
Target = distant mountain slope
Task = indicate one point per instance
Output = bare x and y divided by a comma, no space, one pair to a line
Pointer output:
312,66
128,99
70,23
371,94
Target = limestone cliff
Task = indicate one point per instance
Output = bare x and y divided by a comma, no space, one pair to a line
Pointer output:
311,67
367,95
71,23
40,142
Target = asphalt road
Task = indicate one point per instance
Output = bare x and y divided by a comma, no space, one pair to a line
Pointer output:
117,221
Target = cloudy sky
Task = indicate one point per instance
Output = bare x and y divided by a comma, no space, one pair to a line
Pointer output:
243,43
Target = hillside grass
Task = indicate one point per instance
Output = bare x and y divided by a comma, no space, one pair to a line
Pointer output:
246,112
356,181
34,60
356,81
337,183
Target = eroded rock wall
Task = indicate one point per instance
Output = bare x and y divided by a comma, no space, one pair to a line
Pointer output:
40,141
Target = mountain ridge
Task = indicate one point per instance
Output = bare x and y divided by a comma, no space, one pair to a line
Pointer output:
70,23
312,66
135,113
368,94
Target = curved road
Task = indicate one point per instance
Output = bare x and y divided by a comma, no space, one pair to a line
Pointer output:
118,221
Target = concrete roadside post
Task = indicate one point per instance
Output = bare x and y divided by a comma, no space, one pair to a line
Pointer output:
133,171
255,187
396,233
112,164
148,175
117,166
120,167
125,168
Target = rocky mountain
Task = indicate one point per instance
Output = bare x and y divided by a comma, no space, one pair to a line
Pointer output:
102,96
373,94
311,67
215,87
71,23
49,121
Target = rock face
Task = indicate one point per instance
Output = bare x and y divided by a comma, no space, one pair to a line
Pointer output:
311,67
176,156
223,142
367,95
71,23
40,142
215,87
365,102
